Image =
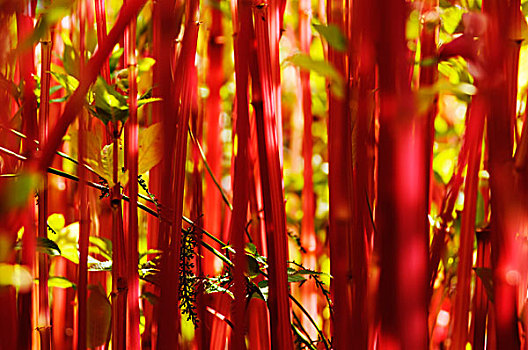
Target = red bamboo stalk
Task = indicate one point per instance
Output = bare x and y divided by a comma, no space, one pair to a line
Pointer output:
267,112
340,184
163,75
168,321
462,299
119,282
308,237
242,27
428,76
258,338
480,300
502,53
402,301
149,310
133,336
215,78
24,19
201,337
100,18
84,230
44,326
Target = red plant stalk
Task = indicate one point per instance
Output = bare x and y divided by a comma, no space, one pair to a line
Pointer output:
93,66
24,21
242,29
402,301
480,300
27,70
361,87
8,322
258,336
100,18
308,238
502,53
163,76
44,326
446,214
465,252
149,310
340,184
275,12
165,32
119,283
84,222
428,76
168,321
215,78
201,337
267,115
133,336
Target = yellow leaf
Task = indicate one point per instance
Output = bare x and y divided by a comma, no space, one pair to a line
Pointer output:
150,148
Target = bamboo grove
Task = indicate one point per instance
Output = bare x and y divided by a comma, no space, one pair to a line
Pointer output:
263,174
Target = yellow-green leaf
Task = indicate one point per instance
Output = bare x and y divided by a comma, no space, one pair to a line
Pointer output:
150,148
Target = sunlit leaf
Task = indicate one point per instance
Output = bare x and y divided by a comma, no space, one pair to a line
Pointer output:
451,17
59,282
322,68
110,105
333,35
444,164
150,148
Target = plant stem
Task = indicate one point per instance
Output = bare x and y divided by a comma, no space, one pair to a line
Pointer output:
133,336
44,312
84,230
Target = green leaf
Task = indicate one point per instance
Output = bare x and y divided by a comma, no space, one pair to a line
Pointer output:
263,286
333,35
296,278
70,60
114,58
253,266
322,68
99,316
47,246
68,82
251,248
110,105
444,164
60,282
